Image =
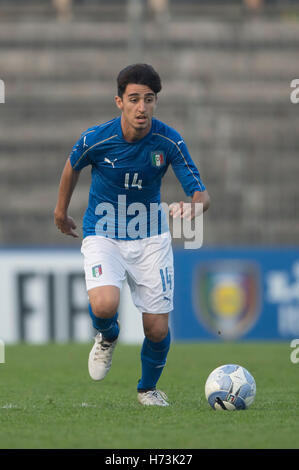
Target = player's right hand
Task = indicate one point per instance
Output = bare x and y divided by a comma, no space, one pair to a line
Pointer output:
66,225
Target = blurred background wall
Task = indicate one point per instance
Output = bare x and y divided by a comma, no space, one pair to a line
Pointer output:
226,69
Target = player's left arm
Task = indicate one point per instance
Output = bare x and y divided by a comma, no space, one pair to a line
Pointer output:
187,173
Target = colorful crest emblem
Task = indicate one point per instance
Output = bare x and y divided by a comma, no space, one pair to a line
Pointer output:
97,271
227,297
157,158
231,398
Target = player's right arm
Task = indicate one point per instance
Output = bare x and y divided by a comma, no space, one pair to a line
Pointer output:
67,184
78,159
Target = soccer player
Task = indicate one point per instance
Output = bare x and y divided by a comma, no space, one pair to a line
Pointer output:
129,155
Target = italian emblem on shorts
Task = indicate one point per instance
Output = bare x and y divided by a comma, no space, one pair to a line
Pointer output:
157,158
97,271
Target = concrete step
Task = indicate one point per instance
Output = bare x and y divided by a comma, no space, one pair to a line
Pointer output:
114,10
34,9
86,94
246,229
220,169
208,33
225,131
26,229
34,230
40,198
276,136
101,64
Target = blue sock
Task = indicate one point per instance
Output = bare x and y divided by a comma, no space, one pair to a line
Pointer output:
107,326
153,360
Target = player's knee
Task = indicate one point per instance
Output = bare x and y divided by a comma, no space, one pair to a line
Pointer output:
104,307
156,333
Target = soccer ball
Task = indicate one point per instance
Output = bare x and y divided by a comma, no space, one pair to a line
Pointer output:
230,387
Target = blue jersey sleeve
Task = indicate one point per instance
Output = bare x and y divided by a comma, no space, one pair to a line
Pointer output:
185,169
79,156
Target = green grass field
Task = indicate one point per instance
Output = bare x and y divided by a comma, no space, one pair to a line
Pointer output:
47,400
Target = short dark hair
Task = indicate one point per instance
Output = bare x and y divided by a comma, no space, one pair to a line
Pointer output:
141,74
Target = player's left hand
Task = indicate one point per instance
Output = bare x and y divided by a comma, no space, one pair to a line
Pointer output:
186,210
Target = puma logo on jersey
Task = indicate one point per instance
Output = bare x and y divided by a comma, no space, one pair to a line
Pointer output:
109,161
180,142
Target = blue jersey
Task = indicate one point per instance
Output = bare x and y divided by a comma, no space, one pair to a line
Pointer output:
126,176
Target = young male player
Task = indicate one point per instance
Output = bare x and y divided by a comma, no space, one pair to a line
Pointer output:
129,155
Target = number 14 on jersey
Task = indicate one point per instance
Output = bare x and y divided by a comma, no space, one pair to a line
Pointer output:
136,183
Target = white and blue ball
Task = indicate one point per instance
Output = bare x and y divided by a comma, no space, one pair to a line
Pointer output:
230,387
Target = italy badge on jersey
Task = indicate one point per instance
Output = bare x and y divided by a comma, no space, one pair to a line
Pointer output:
97,271
157,158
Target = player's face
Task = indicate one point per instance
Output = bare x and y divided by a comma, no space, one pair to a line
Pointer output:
137,105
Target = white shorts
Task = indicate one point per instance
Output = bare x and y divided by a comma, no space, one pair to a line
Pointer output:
147,264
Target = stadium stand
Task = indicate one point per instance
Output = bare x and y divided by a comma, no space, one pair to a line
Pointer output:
226,73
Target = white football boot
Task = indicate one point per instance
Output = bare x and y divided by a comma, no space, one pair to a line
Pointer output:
100,357
153,397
